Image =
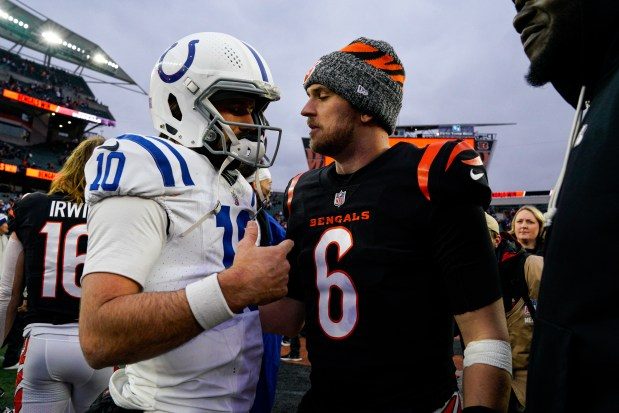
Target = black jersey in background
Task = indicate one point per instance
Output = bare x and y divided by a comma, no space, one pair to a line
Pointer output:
52,231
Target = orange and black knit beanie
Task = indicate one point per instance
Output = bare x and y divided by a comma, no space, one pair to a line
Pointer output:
368,74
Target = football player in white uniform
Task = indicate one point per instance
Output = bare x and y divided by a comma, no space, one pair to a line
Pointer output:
163,291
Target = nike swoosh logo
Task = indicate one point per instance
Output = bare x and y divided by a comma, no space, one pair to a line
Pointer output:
475,176
110,148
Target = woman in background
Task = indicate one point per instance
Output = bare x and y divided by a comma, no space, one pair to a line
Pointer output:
528,229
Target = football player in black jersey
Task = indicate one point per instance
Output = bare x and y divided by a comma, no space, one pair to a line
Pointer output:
45,256
389,242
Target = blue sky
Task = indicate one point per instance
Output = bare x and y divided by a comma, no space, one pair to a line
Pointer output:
463,60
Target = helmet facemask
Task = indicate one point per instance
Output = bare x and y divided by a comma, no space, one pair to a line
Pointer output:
250,145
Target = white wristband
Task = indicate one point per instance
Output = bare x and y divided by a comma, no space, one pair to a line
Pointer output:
207,302
497,353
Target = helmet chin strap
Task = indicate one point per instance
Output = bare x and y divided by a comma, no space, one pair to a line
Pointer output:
217,207
258,187
246,150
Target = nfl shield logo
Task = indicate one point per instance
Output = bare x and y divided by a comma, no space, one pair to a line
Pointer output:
340,198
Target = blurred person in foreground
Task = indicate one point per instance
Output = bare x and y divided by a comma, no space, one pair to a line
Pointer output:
173,275
45,256
574,44
527,227
376,246
520,273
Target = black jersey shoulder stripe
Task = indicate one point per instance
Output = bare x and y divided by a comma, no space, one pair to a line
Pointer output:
462,146
290,193
423,169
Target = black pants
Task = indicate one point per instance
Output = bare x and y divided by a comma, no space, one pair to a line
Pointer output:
295,345
105,404
14,342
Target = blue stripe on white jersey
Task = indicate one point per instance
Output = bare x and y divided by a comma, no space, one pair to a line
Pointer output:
263,70
184,168
161,160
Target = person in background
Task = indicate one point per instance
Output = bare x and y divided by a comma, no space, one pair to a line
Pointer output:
4,239
45,256
376,246
14,339
172,289
520,274
574,44
271,233
294,354
528,228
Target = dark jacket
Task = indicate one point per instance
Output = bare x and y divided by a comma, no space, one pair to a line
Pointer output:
574,360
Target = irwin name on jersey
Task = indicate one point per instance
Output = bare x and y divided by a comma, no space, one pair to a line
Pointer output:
67,209
339,219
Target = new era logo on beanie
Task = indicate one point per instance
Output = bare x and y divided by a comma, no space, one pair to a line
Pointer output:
368,74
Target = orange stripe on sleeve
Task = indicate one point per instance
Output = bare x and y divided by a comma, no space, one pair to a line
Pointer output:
459,148
290,193
473,162
423,170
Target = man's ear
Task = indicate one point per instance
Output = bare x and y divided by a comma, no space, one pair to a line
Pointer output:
365,118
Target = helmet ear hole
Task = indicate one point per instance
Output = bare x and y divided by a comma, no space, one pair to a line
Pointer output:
170,129
174,107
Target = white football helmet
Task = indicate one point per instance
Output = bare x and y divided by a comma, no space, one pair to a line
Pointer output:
190,72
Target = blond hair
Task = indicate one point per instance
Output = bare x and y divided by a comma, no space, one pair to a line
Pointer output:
71,180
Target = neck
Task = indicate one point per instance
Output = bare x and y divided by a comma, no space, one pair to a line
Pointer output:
528,244
365,148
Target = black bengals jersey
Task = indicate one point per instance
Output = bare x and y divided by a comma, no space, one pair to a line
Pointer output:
53,233
391,251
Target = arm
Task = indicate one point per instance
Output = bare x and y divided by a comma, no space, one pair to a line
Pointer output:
120,324
483,384
285,316
464,251
533,267
11,284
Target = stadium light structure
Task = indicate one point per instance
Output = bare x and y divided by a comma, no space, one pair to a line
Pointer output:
12,19
25,26
51,37
99,58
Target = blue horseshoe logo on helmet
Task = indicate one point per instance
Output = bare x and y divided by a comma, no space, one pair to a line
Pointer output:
174,77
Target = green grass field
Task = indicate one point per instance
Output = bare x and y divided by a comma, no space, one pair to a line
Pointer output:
7,383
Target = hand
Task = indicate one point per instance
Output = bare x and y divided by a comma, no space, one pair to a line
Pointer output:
259,275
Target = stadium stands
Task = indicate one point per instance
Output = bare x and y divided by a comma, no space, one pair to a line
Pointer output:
49,84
